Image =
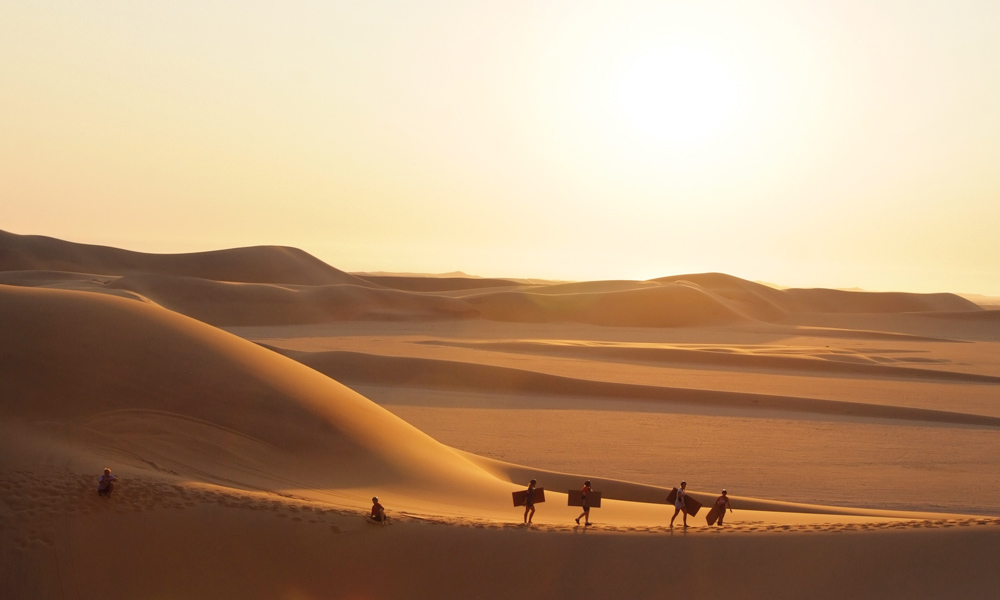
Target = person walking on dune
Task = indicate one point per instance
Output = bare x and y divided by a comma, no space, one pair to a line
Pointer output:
586,506
529,502
722,503
680,505
106,484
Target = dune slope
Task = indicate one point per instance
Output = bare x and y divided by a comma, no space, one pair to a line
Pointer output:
765,303
135,371
258,264
648,306
362,368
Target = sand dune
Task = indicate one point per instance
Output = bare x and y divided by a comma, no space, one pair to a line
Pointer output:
188,542
227,304
438,284
232,304
765,303
244,473
125,367
763,359
754,300
359,368
193,284
259,264
658,306
836,301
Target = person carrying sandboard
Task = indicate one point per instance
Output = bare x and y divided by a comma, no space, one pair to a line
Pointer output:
529,502
586,506
680,505
718,511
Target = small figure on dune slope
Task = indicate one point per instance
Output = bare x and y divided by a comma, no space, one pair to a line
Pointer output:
718,511
378,512
529,502
106,483
586,507
680,505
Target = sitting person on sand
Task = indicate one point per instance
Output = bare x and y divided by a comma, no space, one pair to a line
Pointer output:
529,502
586,507
378,512
680,505
722,502
106,483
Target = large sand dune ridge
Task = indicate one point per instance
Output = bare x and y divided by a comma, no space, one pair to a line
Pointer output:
260,264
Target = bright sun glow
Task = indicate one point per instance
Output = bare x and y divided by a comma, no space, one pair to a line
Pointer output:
677,94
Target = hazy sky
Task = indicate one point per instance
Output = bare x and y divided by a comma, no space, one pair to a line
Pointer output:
843,143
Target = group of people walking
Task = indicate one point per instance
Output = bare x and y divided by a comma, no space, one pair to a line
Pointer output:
106,484
680,504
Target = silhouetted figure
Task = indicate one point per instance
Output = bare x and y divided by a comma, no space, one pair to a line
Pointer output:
722,502
378,512
529,502
106,484
586,507
680,505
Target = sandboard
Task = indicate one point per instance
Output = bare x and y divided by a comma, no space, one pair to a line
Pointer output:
576,498
692,505
521,496
713,515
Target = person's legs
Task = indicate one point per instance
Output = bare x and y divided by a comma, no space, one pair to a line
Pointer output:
676,510
684,510
532,515
586,511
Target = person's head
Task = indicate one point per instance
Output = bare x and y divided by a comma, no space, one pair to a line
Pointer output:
587,483
533,482
375,500
107,471
684,484
724,492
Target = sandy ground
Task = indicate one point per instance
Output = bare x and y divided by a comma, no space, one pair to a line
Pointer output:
841,459
252,402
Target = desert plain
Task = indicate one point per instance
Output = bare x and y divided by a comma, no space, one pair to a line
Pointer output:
252,401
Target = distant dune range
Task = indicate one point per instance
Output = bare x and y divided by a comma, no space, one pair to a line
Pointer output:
259,264
437,284
270,285
360,368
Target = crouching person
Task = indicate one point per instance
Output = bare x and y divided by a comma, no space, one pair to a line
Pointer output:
106,484
378,512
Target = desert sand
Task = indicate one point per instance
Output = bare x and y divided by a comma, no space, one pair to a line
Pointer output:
252,401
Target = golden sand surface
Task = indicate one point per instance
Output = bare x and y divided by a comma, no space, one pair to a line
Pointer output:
252,401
